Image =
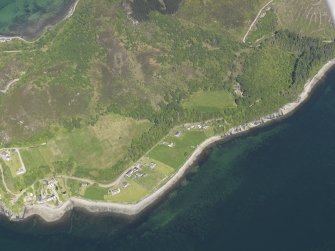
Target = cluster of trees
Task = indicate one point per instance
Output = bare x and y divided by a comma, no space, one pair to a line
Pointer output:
73,123
205,51
142,8
169,116
311,52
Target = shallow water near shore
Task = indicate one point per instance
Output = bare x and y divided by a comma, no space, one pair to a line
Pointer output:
273,189
27,18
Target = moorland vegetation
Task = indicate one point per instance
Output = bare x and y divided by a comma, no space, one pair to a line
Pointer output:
117,80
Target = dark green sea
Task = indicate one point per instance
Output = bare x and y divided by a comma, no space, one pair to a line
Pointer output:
271,190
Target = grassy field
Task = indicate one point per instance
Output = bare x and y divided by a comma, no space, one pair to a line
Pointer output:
141,186
89,150
183,146
95,192
137,187
131,194
75,187
210,101
38,166
33,158
14,163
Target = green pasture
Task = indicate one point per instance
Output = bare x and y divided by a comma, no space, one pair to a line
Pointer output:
210,101
141,186
176,156
14,163
91,148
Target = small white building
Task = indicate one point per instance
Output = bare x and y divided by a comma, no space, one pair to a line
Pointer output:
114,191
5,155
20,171
171,144
125,184
151,165
129,173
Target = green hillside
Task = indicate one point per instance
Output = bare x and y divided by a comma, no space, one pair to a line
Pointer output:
119,80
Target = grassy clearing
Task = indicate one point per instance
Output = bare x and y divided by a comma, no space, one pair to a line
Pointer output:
11,181
92,148
33,158
14,163
153,177
75,187
183,146
15,182
131,194
95,192
211,101
38,166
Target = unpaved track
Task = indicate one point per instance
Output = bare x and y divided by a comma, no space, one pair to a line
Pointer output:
9,85
255,21
4,183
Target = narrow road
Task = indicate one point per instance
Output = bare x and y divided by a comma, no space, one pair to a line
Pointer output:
18,51
76,178
89,181
4,183
121,177
255,21
20,157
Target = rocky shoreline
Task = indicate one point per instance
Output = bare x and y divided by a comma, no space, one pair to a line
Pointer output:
50,214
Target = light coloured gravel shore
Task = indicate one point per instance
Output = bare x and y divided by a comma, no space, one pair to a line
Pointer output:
53,214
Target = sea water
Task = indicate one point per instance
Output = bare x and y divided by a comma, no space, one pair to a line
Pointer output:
273,189
29,17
